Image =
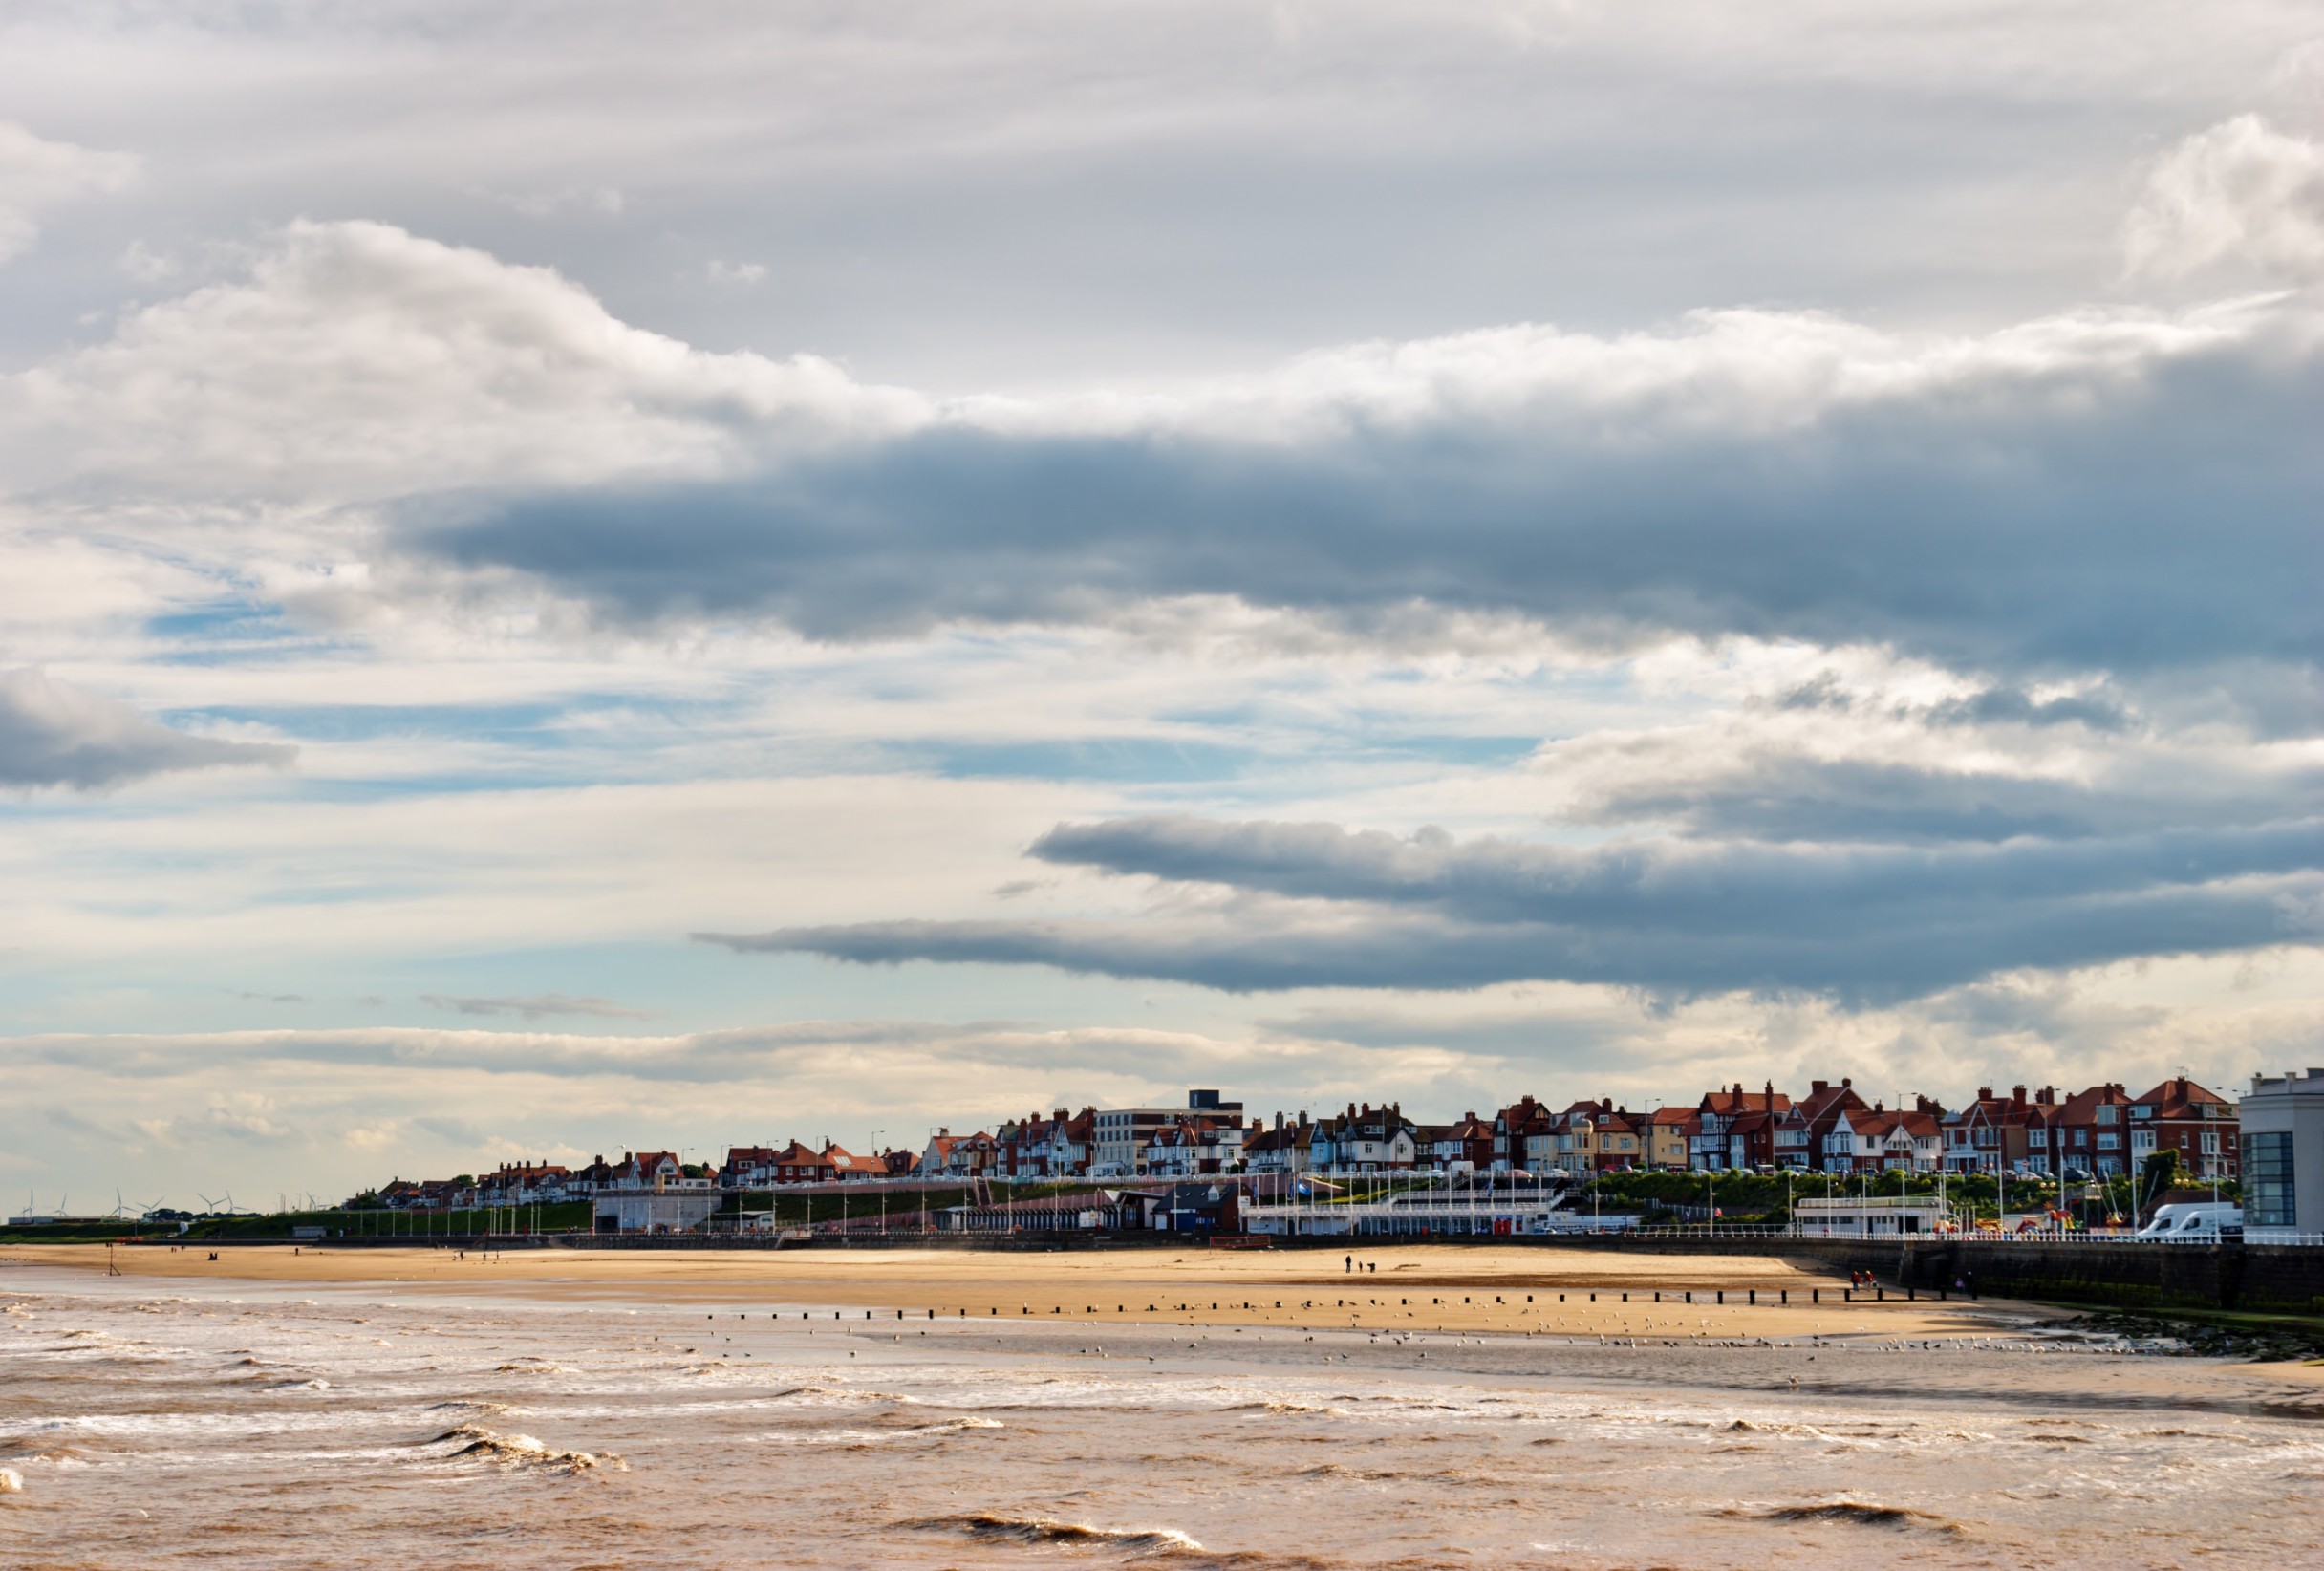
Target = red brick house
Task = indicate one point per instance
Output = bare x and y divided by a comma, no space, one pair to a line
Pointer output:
1803,1130
1715,1145
2184,1116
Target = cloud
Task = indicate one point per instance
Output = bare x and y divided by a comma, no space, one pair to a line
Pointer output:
54,734
36,175
357,363
536,1006
1313,905
2241,191
2019,501
742,273
2024,501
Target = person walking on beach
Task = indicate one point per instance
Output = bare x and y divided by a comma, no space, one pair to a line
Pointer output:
1351,1263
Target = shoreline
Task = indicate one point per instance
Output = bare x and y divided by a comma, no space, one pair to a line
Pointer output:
1533,1290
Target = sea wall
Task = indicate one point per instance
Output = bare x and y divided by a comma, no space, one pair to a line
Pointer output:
2130,1276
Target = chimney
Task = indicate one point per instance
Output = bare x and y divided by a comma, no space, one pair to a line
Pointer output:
1845,1081
1984,1093
2018,1095
1817,1086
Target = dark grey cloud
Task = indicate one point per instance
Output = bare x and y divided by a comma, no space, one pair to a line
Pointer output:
2096,711
1784,797
1320,906
53,733
2091,517
2008,705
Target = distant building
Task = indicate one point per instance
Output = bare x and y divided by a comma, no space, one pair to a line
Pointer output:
1123,1134
1735,1128
2282,1125
1669,1135
2180,1115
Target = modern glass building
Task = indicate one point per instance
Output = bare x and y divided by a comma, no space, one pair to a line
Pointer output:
2283,1156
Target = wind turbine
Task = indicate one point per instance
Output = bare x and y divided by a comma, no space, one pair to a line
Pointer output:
209,1207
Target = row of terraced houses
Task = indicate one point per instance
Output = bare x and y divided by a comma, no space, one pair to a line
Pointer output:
2100,1132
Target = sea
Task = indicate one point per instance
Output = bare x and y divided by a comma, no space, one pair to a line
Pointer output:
147,1426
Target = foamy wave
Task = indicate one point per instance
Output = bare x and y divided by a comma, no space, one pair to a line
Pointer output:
11,1482
522,1450
986,1528
854,1438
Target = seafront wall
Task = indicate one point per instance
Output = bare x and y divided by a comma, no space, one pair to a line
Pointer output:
2129,1275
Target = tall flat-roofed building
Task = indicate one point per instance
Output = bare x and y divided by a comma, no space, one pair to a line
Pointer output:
2282,1119
1120,1135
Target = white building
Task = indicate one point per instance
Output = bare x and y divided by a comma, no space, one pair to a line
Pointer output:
1121,1135
1873,1217
2283,1155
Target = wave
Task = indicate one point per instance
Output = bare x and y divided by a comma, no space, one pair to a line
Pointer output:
1855,1514
858,1438
1286,1406
11,1482
986,1528
522,1450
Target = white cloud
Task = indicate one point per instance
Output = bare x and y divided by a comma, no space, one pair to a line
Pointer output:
739,274
36,175
356,361
147,266
2241,191
56,734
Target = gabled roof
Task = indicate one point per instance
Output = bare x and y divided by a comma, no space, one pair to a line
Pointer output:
1821,1098
1734,1099
2180,1098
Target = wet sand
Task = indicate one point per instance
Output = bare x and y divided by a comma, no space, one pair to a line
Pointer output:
1536,1290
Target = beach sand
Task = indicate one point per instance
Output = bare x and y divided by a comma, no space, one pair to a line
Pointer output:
1519,1290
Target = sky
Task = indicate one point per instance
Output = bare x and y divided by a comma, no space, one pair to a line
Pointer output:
581,578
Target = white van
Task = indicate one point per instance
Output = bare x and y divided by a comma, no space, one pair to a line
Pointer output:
2203,1220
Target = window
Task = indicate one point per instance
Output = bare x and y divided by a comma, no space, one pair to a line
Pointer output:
2108,1115
2109,1142
2268,1180
2142,1111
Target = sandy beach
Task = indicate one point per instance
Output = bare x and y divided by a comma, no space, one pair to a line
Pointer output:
1518,1290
